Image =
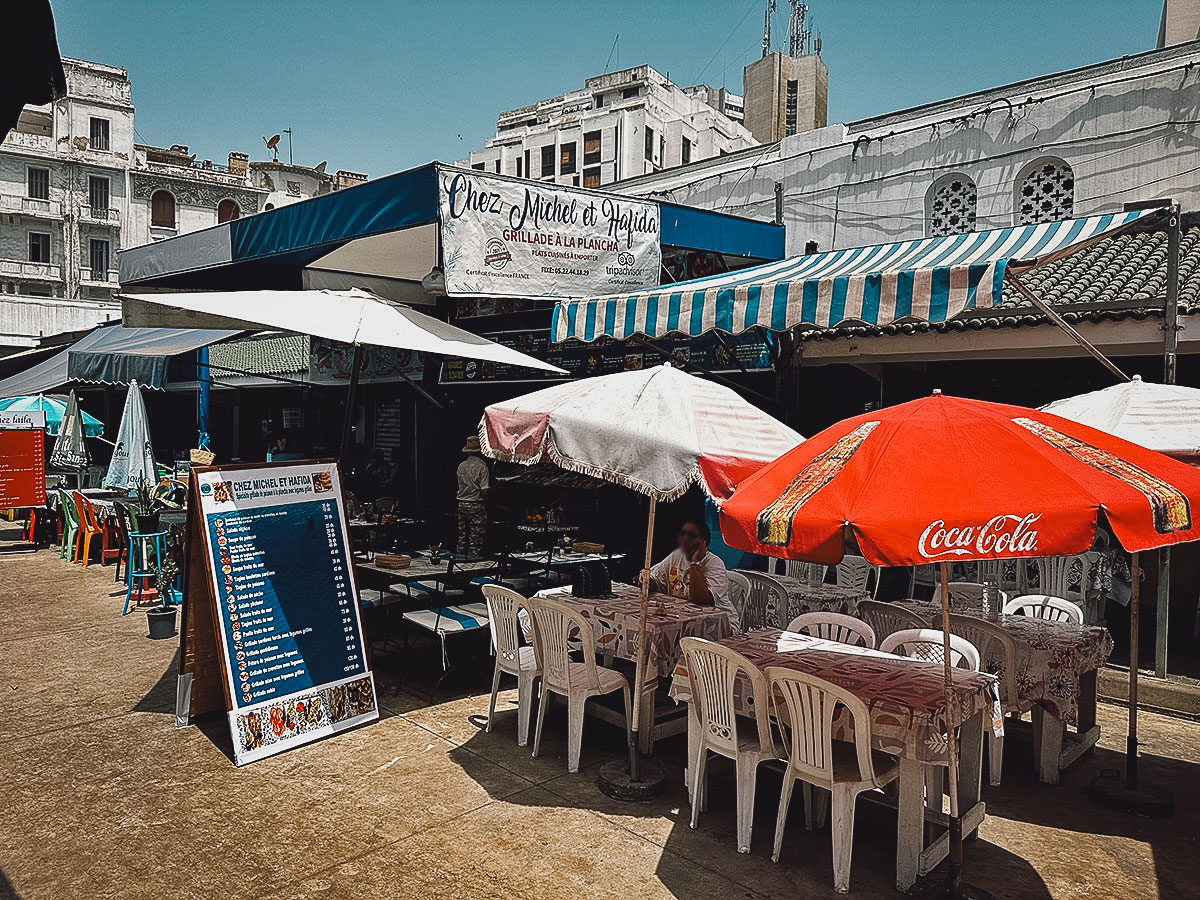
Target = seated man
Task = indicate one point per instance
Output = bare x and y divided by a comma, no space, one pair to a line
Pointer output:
694,572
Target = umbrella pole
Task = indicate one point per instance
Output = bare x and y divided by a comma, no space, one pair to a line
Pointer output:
355,369
639,672
1108,788
956,835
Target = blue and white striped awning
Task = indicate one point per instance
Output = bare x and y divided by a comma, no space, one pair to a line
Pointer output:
933,279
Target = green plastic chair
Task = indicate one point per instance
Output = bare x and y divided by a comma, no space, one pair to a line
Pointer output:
70,524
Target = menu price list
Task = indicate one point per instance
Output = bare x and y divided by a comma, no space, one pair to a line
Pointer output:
22,468
285,599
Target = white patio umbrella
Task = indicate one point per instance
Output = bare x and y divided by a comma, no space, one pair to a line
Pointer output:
657,431
351,317
133,456
1162,417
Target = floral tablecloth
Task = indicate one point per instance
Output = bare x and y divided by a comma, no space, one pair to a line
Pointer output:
804,597
615,623
1052,657
906,697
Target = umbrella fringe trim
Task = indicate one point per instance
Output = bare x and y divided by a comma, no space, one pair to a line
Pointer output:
550,449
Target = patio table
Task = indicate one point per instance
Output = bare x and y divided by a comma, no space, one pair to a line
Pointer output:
804,597
615,621
1056,671
907,703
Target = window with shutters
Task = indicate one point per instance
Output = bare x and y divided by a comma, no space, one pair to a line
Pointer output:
98,134
566,158
98,257
39,247
38,183
685,152
1045,192
591,148
548,161
650,144
98,196
162,209
950,206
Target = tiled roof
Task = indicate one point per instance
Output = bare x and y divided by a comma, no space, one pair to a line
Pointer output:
1117,278
271,355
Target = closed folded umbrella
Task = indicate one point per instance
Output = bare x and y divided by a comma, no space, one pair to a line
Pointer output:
70,450
133,456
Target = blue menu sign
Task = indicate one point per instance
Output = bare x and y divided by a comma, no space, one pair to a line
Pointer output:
291,638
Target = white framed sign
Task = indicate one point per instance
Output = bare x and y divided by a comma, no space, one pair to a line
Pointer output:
505,237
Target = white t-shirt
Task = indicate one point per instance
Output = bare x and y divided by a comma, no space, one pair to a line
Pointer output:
472,480
675,569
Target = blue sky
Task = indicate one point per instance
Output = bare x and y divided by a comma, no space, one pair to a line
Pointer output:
378,86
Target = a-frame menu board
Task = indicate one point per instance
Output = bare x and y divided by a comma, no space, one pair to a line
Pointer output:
270,628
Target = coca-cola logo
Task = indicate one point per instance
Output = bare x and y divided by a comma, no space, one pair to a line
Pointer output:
999,535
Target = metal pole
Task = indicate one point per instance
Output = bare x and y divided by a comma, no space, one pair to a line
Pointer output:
639,672
1131,742
956,836
1170,348
355,368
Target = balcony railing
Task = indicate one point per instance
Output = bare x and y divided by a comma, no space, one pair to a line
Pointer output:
99,276
20,268
47,209
100,214
27,141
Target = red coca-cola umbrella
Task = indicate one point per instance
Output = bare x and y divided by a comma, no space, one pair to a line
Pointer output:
942,479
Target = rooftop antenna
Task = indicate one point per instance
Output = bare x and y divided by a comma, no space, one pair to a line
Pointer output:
611,51
288,132
766,47
799,30
273,145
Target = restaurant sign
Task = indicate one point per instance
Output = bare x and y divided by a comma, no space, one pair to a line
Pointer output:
269,571
22,458
506,237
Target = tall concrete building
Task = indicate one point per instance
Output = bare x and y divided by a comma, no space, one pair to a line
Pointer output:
75,189
620,125
785,95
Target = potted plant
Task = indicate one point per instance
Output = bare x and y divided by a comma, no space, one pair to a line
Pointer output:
148,501
161,619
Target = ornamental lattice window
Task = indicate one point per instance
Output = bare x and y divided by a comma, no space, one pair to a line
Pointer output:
1046,193
951,206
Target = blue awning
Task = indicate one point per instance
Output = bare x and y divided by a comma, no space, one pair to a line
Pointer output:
113,355
933,279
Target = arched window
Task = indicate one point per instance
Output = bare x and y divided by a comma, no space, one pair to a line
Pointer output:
1045,192
162,209
227,211
950,206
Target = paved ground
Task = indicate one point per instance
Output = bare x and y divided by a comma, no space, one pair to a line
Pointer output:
102,797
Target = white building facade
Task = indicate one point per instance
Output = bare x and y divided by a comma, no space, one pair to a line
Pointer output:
620,125
1074,143
75,189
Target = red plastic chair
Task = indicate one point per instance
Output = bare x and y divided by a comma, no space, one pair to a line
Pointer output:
88,527
116,544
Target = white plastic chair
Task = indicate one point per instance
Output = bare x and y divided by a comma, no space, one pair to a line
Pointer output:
982,634
511,657
553,623
926,644
1054,579
814,757
1044,606
765,604
805,572
855,572
834,627
713,671
739,589
886,618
